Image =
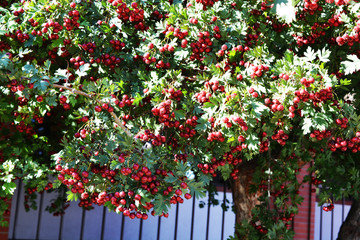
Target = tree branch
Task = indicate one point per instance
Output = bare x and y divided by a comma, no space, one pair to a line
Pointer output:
72,90
117,120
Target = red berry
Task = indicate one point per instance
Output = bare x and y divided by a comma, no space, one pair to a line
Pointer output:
98,108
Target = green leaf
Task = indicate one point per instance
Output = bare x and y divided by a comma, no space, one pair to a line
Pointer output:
324,55
285,10
196,189
309,55
351,65
41,84
170,178
259,108
9,188
160,205
4,60
253,142
62,73
24,52
181,54
83,70
72,196
307,124
203,124
179,114
30,69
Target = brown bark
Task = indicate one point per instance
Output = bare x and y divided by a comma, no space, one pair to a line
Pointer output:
350,229
244,202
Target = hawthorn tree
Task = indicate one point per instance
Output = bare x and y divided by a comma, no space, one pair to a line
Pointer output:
140,104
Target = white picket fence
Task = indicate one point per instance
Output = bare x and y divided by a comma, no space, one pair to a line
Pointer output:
192,221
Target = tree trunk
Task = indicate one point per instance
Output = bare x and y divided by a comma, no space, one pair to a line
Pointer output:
243,201
350,229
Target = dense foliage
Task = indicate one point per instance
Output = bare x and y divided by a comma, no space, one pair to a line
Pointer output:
140,104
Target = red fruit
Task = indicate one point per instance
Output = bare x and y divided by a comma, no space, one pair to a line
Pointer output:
84,195
183,185
58,168
72,5
126,212
280,107
121,159
241,139
137,197
178,192
39,98
98,108
122,194
136,166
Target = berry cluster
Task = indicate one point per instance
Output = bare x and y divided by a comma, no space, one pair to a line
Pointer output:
180,157
176,32
135,16
117,44
56,27
352,144
306,82
207,3
208,168
19,35
163,111
63,102
342,122
176,95
275,105
203,96
161,64
156,15
349,40
156,140
328,207
125,101
320,135
110,60
264,146
77,61
253,92
165,48
72,22
202,46
4,46
214,85
89,47
33,22
281,137
215,136
311,6
238,120
187,132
